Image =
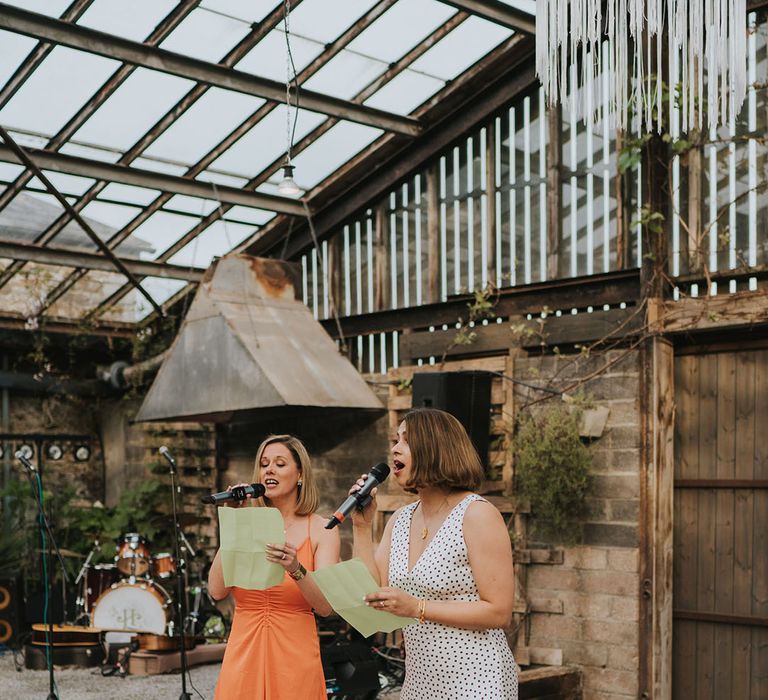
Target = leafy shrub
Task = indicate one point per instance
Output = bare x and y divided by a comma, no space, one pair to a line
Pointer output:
552,469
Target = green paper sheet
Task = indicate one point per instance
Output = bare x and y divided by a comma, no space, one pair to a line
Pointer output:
344,586
245,533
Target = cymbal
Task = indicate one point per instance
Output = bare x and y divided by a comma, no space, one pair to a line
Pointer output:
66,553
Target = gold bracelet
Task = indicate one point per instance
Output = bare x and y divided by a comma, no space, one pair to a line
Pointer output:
299,574
422,610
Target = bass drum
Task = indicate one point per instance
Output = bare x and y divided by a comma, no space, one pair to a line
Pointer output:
133,607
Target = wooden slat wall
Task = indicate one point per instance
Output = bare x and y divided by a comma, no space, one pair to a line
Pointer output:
721,548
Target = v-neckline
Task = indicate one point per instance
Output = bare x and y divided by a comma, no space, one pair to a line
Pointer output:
408,566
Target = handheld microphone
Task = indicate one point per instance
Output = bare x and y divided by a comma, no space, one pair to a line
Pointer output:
360,498
167,454
27,464
236,494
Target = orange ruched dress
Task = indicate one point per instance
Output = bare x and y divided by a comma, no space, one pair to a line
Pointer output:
273,651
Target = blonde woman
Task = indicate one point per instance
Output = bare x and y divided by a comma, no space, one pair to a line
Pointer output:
273,651
445,560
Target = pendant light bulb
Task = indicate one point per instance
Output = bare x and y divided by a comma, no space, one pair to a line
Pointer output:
288,185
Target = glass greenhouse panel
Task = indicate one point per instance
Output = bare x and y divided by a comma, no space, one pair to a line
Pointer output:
405,92
217,240
345,75
144,97
56,90
268,58
161,231
401,28
128,194
325,20
132,20
203,126
206,35
134,307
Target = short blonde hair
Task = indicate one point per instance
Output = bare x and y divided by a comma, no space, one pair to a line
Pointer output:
307,498
441,452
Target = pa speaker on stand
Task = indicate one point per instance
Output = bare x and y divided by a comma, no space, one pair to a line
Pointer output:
11,612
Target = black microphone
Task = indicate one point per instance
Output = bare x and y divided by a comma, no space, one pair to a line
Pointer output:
20,456
238,493
167,454
360,498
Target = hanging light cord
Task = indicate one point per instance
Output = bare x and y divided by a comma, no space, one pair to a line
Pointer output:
291,76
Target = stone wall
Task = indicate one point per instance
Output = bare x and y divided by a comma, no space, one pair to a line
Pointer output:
597,585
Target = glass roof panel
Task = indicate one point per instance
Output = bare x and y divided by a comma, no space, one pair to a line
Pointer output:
92,288
265,142
204,125
133,20
400,28
27,215
219,238
64,183
220,178
192,205
10,171
54,8
128,193
251,11
325,20
253,216
159,166
134,307
56,90
133,109
26,291
405,92
331,150
161,230
14,48
345,75
461,48
206,35
114,215
78,149
268,58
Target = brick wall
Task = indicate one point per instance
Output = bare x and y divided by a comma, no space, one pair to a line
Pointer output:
597,585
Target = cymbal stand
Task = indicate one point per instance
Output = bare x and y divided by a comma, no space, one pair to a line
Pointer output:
81,602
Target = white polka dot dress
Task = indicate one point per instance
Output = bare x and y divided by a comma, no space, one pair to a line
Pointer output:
442,662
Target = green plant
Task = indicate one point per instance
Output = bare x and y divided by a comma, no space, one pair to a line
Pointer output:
552,469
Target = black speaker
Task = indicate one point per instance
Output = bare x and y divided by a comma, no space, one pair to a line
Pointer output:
465,395
350,669
11,611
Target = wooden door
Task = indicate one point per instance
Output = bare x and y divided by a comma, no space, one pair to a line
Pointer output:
720,634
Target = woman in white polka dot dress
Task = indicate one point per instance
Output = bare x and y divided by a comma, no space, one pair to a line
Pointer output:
445,560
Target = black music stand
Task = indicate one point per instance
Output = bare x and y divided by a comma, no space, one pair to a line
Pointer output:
37,493
180,593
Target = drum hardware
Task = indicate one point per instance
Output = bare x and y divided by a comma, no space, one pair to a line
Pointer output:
133,556
127,606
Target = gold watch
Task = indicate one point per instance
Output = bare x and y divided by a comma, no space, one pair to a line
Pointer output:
299,574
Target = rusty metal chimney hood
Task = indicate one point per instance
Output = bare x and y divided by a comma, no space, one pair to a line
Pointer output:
248,346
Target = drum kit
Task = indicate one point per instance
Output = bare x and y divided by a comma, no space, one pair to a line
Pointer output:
128,595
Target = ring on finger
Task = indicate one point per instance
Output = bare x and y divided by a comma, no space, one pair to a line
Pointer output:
283,556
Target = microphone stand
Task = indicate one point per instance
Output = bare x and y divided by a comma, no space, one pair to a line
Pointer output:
180,593
37,492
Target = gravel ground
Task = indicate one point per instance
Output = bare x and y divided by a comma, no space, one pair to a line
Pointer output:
89,684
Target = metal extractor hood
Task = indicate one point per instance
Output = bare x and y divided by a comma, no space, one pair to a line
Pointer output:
248,345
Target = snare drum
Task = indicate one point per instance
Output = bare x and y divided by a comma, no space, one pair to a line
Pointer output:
133,557
164,565
98,579
134,607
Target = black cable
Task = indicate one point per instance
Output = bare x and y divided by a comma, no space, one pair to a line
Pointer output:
295,81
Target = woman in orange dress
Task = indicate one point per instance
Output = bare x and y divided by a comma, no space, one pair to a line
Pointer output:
273,651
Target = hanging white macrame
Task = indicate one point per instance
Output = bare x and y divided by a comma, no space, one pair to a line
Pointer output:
708,39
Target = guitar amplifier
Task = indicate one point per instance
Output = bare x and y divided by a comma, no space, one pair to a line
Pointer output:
11,611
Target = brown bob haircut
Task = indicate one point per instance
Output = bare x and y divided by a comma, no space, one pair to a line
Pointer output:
307,496
441,452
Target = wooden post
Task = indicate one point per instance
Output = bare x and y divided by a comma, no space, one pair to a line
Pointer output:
554,191
657,422
490,190
433,234
622,223
381,259
693,240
